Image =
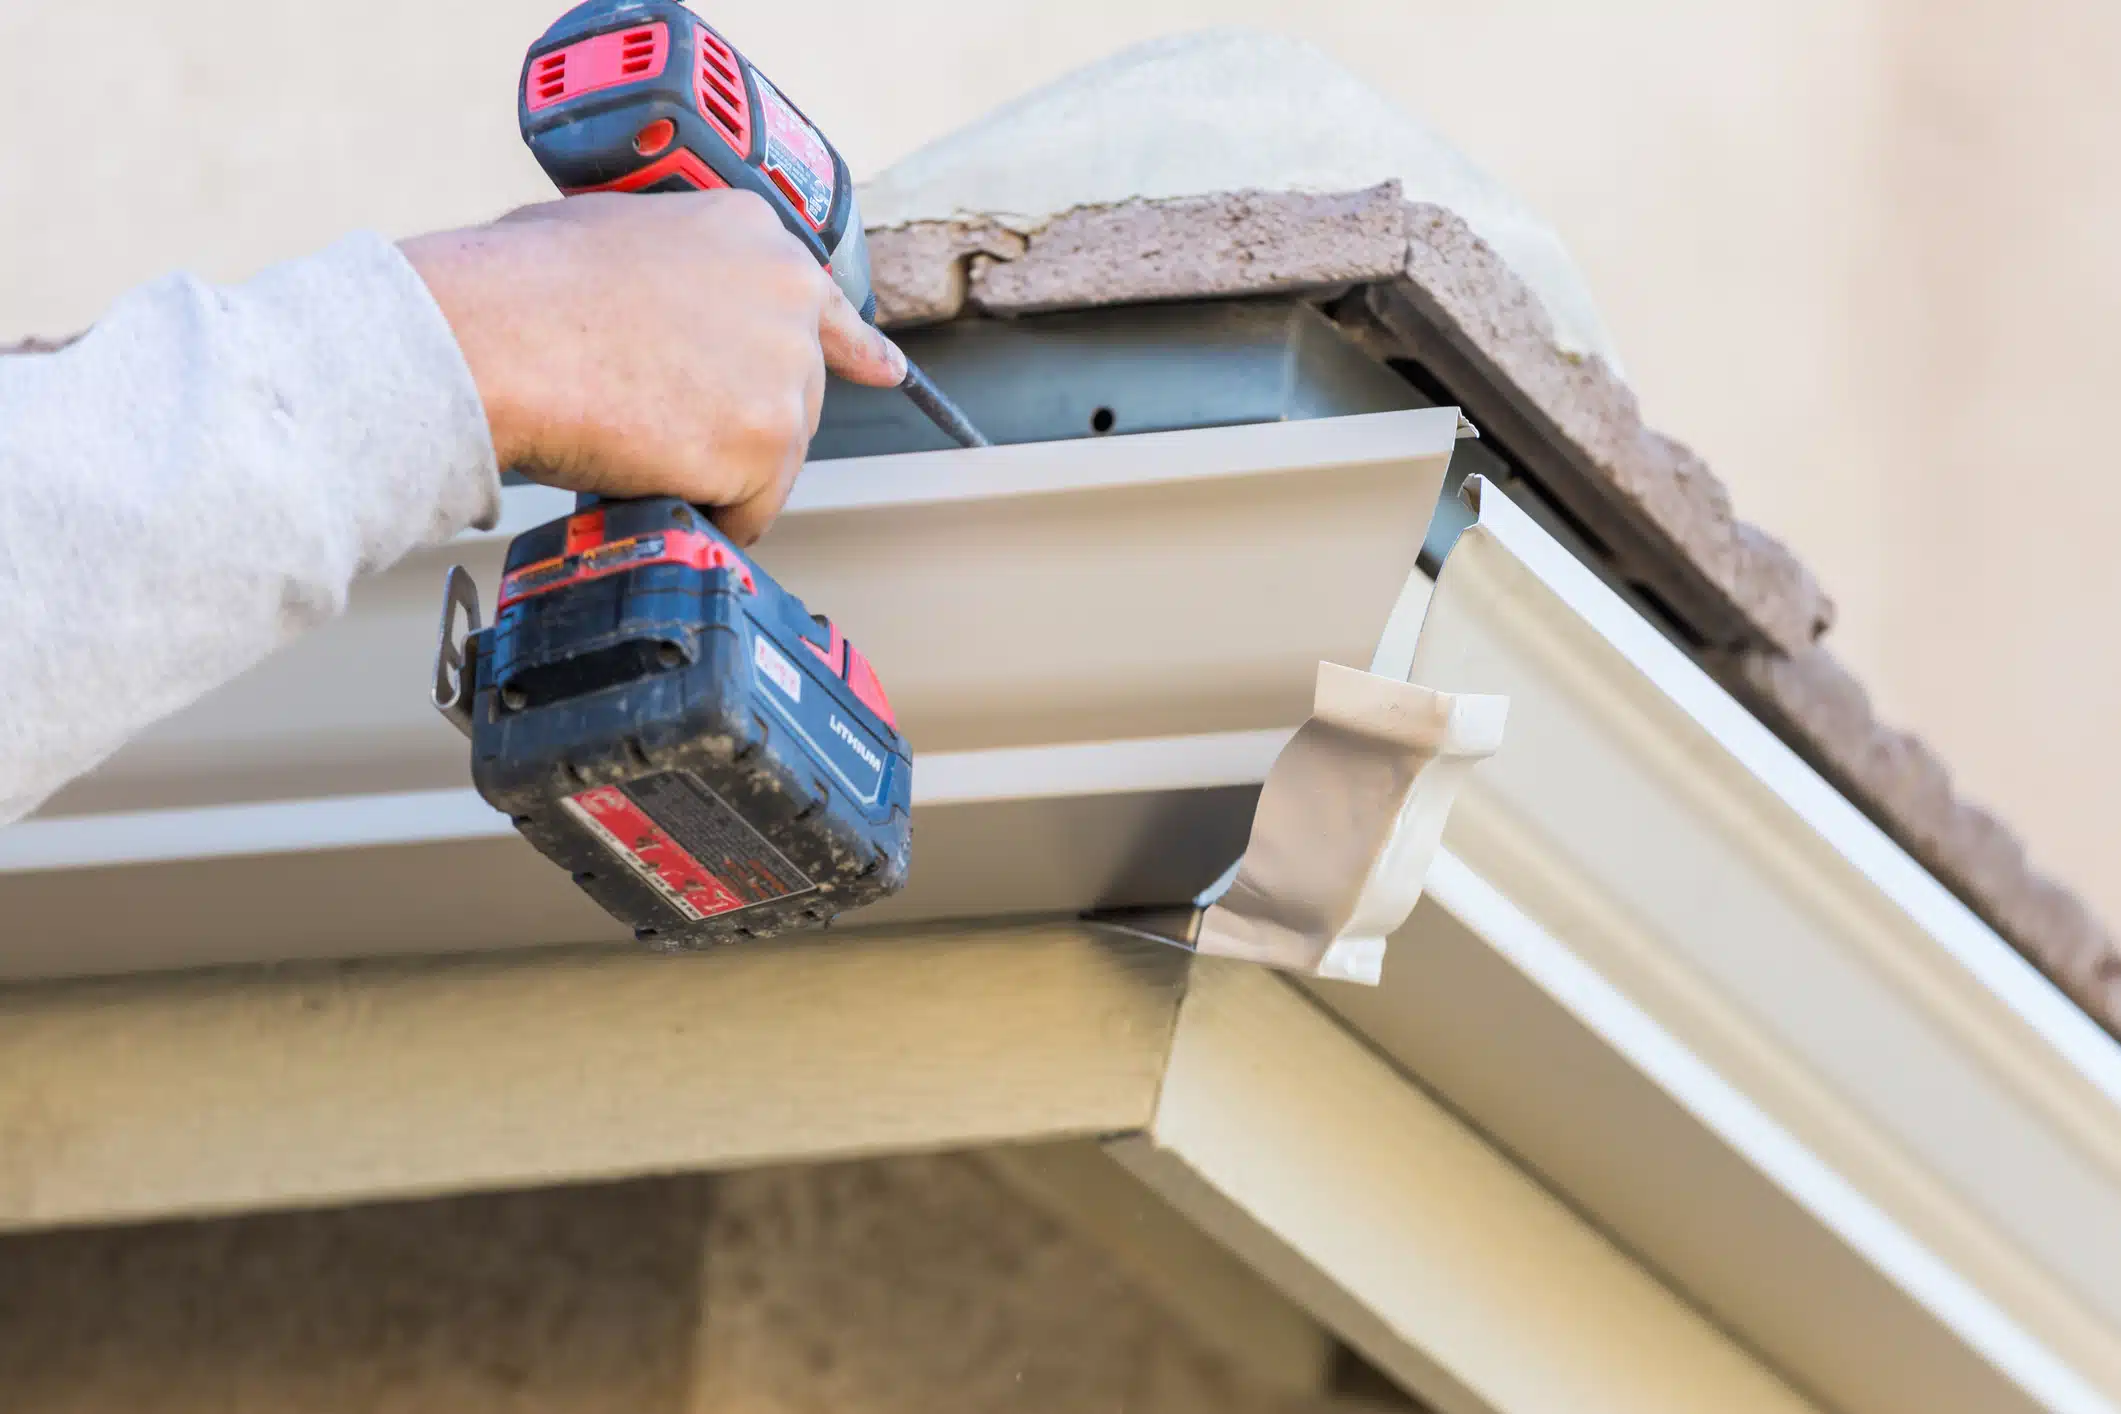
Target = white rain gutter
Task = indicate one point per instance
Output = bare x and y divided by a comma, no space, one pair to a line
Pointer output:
1663,963
1097,648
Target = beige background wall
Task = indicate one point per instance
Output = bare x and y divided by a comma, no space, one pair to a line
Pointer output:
1862,254
893,1286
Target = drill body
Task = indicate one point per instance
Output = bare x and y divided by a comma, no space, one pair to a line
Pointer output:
642,96
705,757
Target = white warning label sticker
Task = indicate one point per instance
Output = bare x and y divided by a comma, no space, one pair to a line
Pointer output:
777,669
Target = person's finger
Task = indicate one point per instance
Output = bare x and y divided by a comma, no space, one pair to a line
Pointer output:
856,350
751,516
813,399
748,520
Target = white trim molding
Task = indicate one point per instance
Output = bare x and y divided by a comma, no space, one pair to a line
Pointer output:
1672,971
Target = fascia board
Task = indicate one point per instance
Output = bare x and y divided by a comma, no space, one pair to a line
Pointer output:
1845,1043
140,1098
1056,830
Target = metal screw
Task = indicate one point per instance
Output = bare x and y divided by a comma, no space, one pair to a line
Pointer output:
513,697
669,654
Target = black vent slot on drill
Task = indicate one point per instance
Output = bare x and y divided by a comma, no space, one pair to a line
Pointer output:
580,675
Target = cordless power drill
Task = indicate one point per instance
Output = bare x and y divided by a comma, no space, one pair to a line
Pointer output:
706,757
640,95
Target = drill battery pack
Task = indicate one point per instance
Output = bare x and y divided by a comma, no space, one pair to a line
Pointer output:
707,758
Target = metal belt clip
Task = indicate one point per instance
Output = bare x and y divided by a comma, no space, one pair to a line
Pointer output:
456,676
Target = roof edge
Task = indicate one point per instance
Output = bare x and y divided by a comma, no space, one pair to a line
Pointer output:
1179,248
1433,290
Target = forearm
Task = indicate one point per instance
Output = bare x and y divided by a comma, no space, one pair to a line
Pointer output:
202,476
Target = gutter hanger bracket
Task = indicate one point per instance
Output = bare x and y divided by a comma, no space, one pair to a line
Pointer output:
1348,821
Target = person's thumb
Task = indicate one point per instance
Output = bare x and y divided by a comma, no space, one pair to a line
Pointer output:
856,350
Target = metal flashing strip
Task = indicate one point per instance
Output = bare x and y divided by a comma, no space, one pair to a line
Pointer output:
1204,454
1120,370
903,480
1739,1027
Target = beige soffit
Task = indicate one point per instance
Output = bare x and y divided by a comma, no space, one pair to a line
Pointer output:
1427,287
1097,648
1338,1183
1207,1288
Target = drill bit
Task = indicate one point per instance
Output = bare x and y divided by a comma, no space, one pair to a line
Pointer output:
923,393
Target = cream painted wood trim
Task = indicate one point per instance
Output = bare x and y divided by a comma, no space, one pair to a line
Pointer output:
157,1097
1229,1307
1403,1231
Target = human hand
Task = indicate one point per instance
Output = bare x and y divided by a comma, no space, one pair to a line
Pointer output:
653,344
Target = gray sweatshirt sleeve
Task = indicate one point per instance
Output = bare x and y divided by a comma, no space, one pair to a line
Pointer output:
202,476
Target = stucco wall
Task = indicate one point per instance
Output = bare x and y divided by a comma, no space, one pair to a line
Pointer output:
2000,179
919,1284
575,1301
1856,252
